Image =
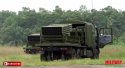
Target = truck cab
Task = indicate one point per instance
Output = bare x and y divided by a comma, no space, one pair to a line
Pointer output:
32,40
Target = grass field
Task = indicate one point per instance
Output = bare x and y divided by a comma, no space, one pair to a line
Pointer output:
110,52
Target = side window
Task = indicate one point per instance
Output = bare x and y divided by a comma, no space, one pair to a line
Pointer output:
105,36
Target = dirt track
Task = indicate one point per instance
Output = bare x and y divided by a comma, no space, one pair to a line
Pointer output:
73,66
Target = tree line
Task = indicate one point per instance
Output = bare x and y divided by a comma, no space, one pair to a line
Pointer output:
14,27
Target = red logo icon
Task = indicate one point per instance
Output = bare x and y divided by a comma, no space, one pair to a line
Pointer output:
12,63
113,62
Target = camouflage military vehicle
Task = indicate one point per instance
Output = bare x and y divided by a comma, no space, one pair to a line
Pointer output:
74,40
32,40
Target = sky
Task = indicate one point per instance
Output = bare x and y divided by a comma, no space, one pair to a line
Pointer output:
16,5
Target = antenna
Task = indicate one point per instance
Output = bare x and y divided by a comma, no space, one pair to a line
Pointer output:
92,3
92,12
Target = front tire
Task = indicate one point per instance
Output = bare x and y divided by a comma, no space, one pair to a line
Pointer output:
95,52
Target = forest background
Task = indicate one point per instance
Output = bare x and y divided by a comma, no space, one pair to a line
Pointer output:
15,26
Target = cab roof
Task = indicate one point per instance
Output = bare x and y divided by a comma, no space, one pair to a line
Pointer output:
58,25
36,34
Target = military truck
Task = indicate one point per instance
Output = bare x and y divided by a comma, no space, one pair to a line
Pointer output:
32,40
69,41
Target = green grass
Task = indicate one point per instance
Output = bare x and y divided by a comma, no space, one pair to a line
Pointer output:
110,52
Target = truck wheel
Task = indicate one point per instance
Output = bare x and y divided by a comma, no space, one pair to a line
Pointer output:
48,56
78,53
95,53
43,57
63,57
73,54
98,52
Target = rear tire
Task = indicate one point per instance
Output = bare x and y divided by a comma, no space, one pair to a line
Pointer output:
73,54
63,56
78,54
43,57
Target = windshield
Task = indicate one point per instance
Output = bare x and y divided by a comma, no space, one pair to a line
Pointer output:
33,38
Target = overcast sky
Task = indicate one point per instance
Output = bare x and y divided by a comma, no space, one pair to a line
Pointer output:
16,5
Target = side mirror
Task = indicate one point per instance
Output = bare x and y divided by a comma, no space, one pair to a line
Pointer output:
105,36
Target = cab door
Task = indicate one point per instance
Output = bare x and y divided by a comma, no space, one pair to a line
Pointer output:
105,36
